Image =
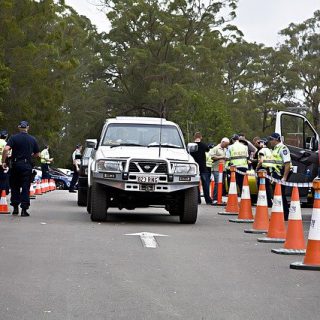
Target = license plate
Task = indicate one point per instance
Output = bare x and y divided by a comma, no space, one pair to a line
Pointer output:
147,179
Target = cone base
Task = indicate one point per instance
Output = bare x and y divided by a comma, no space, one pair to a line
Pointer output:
289,251
32,197
219,204
271,240
224,213
4,213
302,266
255,231
241,220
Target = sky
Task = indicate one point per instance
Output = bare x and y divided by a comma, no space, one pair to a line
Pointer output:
259,20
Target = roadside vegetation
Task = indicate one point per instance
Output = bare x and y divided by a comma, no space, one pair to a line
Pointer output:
181,59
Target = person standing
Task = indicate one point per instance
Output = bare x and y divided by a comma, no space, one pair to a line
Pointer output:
3,172
24,147
282,167
239,155
200,157
76,161
218,155
265,162
45,161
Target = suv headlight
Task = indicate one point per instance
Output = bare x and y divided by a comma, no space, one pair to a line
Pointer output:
108,165
184,168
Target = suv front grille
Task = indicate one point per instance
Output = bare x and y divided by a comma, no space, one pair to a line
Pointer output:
148,167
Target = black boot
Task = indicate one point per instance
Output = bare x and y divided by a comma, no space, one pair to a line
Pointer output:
15,210
24,213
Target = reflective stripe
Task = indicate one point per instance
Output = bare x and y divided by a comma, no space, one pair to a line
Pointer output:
295,211
262,199
314,232
245,193
233,188
277,204
220,177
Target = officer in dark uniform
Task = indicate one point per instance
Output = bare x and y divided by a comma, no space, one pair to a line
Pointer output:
24,147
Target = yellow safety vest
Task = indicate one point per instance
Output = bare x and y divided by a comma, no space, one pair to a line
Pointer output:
44,155
278,162
3,143
208,161
238,155
268,159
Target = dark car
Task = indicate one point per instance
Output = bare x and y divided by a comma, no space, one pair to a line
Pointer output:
61,179
83,176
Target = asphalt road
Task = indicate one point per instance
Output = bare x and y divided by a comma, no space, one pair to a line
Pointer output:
57,264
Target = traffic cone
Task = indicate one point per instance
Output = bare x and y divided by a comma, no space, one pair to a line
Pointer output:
232,207
295,243
46,185
261,218
32,191
277,228
43,186
54,185
212,183
220,185
312,258
3,203
38,189
51,185
245,212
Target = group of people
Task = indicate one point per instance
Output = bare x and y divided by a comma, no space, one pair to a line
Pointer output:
16,166
243,154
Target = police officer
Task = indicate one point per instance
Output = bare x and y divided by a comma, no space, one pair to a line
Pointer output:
238,156
76,161
265,162
282,167
45,161
24,147
3,172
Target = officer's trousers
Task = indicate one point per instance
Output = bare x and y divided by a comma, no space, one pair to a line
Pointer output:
45,171
20,179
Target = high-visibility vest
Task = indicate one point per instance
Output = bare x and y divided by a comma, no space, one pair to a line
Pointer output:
268,159
278,162
44,155
238,155
208,160
3,143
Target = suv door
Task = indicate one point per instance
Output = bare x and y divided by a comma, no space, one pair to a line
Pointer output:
302,140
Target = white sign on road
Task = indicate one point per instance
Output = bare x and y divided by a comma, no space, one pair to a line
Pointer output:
147,238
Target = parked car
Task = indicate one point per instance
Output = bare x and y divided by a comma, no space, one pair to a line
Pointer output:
61,179
83,175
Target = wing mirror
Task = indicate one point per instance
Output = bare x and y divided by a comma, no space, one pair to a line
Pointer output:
91,143
192,147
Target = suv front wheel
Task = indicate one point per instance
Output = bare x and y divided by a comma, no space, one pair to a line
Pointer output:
98,201
190,206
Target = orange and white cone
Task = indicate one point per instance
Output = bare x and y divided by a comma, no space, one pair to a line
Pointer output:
32,191
261,218
277,228
295,243
46,185
43,186
51,185
4,209
245,212
312,258
232,207
212,183
220,185
54,184
38,189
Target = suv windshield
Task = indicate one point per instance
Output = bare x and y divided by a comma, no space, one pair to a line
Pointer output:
119,134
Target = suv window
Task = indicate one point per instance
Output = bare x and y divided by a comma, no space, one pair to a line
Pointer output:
141,135
292,130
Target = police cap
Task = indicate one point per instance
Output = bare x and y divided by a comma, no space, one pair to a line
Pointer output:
23,124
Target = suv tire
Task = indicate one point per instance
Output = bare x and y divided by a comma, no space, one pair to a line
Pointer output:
98,203
190,206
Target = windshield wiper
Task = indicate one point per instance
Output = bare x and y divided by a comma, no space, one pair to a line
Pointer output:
127,145
165,145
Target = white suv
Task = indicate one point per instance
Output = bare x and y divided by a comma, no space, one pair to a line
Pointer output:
141,162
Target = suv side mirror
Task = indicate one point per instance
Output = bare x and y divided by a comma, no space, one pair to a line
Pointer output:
91,143
192,147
